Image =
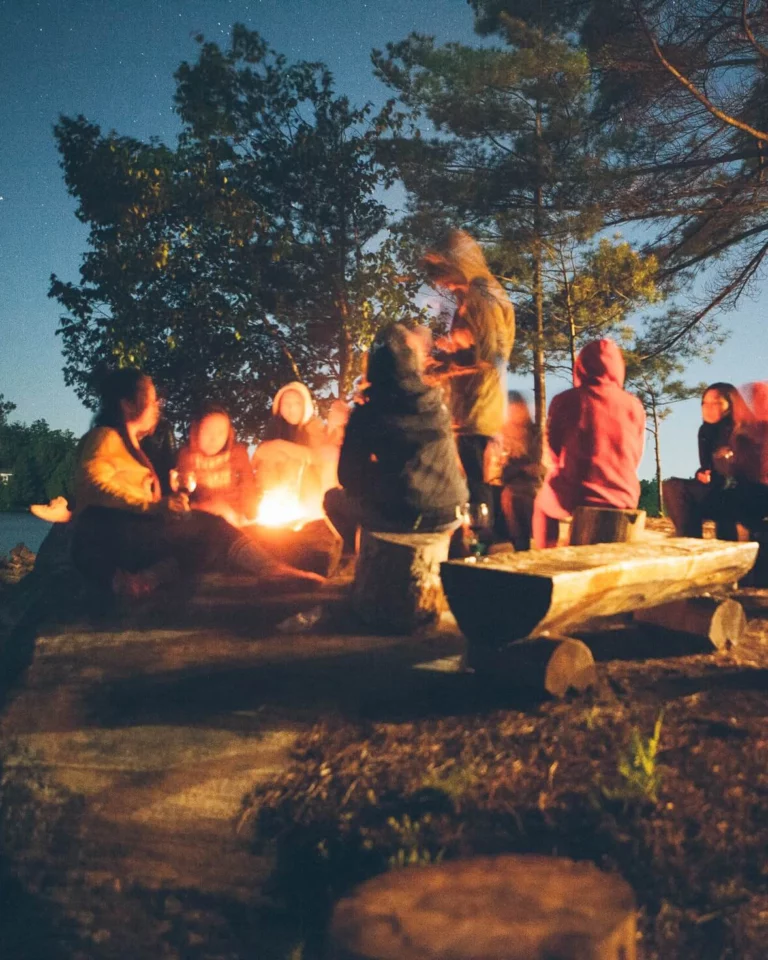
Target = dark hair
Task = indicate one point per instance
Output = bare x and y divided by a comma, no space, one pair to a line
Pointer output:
737,405
514,396
115,387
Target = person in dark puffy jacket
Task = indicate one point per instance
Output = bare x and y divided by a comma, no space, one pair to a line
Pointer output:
596,436
398,469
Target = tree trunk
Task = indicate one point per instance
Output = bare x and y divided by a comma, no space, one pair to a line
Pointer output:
539,382
657,453
345,350
571,318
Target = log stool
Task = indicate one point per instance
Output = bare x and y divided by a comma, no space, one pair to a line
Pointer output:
488,908
720,621
606,525
397,584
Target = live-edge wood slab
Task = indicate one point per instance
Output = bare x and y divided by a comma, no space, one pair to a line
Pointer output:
511,596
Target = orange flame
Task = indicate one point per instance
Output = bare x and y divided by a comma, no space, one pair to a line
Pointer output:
281,507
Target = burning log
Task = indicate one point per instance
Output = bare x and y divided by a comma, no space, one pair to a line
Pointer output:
291,532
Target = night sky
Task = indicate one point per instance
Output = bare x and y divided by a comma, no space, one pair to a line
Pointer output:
113,61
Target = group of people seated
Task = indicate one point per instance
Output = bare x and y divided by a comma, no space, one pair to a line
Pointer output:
430,442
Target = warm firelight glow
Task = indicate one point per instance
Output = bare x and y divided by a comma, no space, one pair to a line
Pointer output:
281,507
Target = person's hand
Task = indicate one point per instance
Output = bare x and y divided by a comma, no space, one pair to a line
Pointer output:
704,476
175,503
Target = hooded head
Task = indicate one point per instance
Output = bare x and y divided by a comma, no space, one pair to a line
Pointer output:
600,361
458,259
394,366
305,409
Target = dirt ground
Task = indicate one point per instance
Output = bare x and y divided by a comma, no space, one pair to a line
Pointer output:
128,747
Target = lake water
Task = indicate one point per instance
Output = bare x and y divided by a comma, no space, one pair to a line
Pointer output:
21,528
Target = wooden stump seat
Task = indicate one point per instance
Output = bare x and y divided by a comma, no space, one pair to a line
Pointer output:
606,525
397,586
488,908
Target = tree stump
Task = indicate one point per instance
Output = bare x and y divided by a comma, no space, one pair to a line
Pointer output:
552,664
606,525
722,622
488,908
397,586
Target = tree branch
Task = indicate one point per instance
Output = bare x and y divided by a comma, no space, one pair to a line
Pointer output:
691,87
750,35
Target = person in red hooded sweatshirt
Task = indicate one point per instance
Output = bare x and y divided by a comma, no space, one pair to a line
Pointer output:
596,435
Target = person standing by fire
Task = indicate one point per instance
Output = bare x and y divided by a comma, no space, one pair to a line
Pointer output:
473,358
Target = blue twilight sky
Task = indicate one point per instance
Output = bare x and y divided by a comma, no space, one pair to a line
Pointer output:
113,61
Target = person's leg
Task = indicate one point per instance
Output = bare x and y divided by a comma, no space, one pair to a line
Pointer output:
545,529
345,514
472,455
204,542
684,502
518,517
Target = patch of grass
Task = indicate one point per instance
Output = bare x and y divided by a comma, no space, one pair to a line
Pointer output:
638,768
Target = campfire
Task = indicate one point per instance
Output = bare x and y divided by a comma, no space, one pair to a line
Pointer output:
296,531
282,507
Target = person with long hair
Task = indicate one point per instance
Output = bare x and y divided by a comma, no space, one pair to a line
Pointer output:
472,360
127,536
219,468
398,468
729,486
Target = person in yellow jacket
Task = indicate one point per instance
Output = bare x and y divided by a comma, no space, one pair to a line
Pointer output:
473,358
128,536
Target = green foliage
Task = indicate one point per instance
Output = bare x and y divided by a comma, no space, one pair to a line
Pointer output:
638,768
6,407
455,783
649,497
411,847
41,460
247,255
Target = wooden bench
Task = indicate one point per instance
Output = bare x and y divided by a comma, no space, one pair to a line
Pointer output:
501,600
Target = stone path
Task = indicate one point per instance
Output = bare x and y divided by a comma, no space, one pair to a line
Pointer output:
144,736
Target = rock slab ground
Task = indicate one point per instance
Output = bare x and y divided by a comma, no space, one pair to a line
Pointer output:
144,733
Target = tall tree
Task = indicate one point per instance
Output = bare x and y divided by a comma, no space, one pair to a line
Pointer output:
684,86
515,155
248,254
658,379
41,460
